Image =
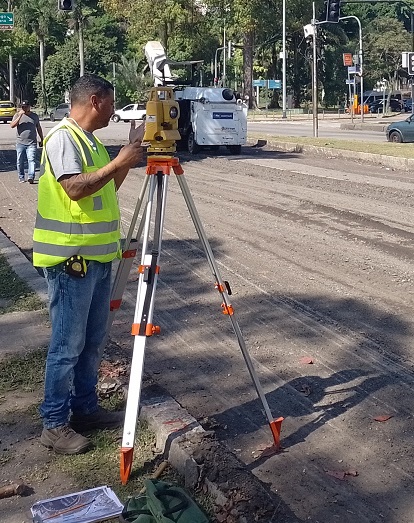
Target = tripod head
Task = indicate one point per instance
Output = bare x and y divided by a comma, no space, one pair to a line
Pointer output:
161,125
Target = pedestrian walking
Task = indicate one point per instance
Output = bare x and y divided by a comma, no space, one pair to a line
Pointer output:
27,125
76,237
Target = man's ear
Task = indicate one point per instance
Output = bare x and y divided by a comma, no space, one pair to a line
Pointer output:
94,101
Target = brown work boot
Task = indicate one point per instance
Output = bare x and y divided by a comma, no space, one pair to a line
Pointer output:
100,419
64,440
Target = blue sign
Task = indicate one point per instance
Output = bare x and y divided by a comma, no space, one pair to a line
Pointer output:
270,84
275,84
222,116
259,83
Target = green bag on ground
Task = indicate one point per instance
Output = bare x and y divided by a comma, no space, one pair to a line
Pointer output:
162,503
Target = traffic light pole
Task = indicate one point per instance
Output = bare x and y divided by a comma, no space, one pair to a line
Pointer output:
361,69
410,10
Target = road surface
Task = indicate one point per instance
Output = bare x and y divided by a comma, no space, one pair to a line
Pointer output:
319,257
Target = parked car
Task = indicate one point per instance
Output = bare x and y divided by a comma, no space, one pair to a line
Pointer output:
408,105
378,106
61,111
401,131
7,111
130,112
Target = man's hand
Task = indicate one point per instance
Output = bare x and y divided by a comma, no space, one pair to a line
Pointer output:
136,134
130,155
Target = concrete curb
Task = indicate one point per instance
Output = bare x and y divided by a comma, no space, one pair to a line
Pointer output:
202,460
22,267
393,162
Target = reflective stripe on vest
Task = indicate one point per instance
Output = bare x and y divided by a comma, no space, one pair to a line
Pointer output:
89,226
75,228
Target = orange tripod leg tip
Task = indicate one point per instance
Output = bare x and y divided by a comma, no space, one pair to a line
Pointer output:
126,464
276,427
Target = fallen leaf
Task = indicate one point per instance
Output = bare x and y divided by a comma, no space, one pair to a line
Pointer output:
338,474
306,360
385,417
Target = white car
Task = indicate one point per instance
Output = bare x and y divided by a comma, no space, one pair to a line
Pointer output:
130,112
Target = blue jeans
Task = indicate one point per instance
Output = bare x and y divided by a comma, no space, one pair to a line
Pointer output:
79,309
30,152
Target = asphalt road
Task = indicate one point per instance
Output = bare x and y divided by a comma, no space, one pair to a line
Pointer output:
329,128
326,129
318,253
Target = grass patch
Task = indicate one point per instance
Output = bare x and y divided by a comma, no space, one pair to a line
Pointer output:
15,294
25,373
399,150
101,465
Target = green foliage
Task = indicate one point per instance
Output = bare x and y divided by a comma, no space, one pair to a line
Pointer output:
115,31
385,41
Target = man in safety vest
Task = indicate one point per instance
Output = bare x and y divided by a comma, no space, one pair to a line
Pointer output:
76,237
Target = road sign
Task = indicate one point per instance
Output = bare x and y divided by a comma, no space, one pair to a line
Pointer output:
270,84
274,84
410,64
354,69
347,58
259,83
6,21
350,81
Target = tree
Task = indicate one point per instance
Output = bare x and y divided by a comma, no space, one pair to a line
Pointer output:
385,41
38,16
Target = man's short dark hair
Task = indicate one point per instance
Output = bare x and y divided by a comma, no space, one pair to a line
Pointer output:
88,85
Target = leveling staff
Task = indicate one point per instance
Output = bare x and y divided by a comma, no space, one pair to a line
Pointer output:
76,237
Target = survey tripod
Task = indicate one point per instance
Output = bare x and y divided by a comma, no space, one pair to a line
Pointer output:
161,131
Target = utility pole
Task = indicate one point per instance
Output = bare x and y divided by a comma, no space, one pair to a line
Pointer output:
284,60
314,75
224,54
11,65
81,47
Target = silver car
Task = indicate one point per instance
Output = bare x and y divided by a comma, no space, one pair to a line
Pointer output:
61,111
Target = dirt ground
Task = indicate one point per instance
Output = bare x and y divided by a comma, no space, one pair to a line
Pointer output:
318,253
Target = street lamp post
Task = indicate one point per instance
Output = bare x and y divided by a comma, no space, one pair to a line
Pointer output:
361,70
284,60
314,75
11,66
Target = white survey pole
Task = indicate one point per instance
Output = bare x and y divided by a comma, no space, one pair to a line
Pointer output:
284,60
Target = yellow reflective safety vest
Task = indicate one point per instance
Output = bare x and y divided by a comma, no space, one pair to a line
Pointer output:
88,227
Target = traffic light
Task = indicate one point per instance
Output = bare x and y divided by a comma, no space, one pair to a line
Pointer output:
333,8
410,57
230,50
66,5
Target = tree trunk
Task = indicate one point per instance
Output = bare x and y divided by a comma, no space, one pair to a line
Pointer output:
248,39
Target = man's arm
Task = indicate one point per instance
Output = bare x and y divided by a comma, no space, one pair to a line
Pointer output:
40,133
80,185
16,119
